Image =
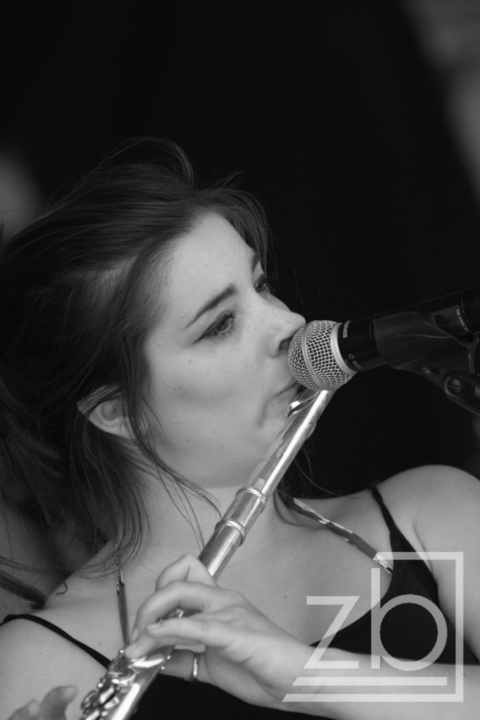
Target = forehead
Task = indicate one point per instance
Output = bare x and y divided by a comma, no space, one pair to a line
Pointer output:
202,263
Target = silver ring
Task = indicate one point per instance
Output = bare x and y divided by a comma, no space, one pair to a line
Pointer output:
194,676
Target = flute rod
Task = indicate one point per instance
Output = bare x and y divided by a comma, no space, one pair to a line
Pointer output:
251,499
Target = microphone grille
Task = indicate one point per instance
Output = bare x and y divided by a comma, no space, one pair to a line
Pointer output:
311,358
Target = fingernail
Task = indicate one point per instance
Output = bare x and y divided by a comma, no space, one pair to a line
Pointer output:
135,634
131,650
32,709
68,692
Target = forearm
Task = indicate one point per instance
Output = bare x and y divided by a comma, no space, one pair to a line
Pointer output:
446,693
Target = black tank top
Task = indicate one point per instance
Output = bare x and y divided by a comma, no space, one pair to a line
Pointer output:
408,631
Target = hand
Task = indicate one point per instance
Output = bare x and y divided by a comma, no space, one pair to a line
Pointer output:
52,707
245,653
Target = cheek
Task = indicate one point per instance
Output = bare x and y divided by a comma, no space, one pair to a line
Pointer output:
193,387
197,417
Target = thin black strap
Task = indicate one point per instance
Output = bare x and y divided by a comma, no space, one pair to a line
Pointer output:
45,623
398,539
385,511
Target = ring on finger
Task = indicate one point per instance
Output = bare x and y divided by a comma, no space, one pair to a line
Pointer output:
194,674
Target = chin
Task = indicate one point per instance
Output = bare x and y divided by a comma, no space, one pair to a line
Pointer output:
263,442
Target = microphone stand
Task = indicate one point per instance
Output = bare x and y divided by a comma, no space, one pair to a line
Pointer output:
446,360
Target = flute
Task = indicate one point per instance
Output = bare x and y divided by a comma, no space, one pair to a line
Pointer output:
119,690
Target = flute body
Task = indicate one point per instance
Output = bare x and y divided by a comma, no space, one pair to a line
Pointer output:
120,689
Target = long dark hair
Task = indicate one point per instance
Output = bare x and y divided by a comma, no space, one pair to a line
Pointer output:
75,308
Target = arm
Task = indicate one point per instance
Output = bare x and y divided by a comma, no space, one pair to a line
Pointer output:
445,505
467,709
442,506
251,658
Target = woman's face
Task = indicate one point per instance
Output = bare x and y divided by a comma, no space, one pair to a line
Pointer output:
220,384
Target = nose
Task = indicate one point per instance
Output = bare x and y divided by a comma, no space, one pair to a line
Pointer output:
283,325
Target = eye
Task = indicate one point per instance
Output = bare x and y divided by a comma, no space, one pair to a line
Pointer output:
266,284
222,328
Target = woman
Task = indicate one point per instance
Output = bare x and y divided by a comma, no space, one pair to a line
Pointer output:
144,374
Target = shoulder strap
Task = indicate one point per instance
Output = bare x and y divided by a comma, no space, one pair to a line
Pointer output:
385,511
50,626
348,535
395,532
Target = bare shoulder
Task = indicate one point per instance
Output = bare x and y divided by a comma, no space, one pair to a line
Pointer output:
427,494
34,659
436,507
440,506
444,506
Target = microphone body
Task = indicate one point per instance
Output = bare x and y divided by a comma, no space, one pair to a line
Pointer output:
430,339
395,339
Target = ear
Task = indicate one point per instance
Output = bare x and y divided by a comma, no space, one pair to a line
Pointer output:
108,416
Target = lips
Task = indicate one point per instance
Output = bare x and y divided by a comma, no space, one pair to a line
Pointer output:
290,387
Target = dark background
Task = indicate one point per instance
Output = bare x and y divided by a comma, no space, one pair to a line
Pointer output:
335,119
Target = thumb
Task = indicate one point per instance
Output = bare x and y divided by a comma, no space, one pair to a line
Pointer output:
187,568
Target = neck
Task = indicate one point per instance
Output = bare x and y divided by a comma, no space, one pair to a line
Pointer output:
182,523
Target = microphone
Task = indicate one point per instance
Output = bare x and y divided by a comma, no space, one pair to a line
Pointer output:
424,339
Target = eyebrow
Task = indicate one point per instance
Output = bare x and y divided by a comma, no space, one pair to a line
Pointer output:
228,292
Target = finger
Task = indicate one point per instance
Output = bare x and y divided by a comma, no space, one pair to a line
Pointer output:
181,665
187,568
27,712
194,631
234,679
188,596
55,702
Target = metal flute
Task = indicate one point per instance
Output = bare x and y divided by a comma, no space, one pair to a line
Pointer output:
119,690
